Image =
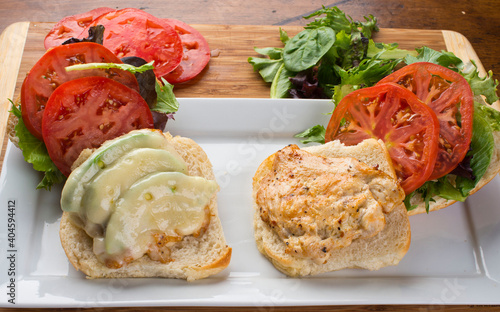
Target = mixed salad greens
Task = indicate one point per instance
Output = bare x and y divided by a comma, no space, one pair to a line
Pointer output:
335,55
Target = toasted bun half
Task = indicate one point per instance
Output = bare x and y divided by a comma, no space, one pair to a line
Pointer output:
386,248
193,258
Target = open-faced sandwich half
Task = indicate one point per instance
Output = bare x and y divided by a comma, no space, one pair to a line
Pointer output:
330,207
143,205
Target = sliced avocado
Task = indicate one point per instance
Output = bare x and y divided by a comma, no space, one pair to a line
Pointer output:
103,157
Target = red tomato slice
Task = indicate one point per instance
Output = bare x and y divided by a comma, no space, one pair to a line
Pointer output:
451,98
85,112
395,115
133,32
72,26
49,72
196,53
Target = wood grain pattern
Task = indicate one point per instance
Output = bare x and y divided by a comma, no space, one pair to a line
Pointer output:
230,75
12,43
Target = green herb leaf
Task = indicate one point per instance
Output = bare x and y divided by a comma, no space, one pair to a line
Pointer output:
369,72
267,67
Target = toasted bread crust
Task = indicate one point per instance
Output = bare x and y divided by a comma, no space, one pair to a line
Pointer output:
194,257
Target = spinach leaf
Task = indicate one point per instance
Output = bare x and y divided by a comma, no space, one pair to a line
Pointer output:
267,67
306,48
281,83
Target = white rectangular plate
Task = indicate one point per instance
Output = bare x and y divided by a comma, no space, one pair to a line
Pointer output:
454,256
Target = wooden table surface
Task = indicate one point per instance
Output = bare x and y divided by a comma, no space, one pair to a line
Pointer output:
478,20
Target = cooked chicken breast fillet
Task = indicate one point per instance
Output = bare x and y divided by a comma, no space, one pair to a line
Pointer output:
317,204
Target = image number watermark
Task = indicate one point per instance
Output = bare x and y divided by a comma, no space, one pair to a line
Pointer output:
11,251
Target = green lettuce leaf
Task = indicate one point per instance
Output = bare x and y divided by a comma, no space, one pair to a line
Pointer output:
336,19
368,73
314,134
482,146
486,86
486,120
490,115
35,153
131,68
442,187
387,51
443,58
166,102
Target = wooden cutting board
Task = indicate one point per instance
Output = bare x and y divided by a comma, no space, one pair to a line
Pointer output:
228,74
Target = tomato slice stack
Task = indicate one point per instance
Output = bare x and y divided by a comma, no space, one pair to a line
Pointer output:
49,72
392,113
423,112
451,98
133,32
179,51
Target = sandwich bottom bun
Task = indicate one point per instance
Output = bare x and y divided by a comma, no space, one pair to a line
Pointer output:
385,248
192,258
